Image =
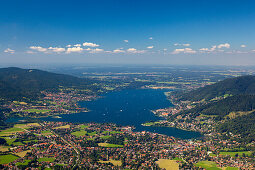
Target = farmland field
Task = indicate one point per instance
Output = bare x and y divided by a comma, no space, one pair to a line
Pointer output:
168,164
46,159
114,162
5,159
62,127
22,154
108,145
79,133
232,154
207,165
4,148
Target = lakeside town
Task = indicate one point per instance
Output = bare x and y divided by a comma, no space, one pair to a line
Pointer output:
50,104
54,145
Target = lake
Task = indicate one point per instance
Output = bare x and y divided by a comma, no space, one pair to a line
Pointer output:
127,107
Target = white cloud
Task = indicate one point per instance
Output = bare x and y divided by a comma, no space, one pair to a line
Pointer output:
150,47
243,46
77,45
88,44
186,45
125,41
118,51
69,46
203,49
8,50
38,48
213,48
133,50
57,49
226,45
151,38
184,50
96,50
74,49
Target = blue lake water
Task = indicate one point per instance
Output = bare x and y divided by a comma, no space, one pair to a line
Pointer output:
127,107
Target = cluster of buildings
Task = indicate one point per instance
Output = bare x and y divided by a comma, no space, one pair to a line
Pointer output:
51,103
100,146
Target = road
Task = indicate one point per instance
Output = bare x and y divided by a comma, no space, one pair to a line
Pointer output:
74,148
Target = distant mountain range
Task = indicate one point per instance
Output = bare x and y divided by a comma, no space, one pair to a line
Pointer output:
17,83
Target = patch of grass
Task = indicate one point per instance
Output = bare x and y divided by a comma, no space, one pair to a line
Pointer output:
111,132
90,139
105,137
108,145
17,143
5,159
46,159
178,159
114,162
36,110
212,154
61,164
25,163
17,102
168,164
79,133
230,168
26,126
232,154
62,127
83,126
28,141
4,148
22,154
206,164
46,132
214,168
10,131
92,133
9,140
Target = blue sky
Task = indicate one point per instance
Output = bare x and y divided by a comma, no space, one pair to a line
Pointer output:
206,32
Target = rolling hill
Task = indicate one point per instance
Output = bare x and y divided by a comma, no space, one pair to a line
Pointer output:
231,101
230,86
16,83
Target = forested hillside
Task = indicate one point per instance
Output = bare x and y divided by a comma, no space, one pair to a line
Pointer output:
225,106
231,86
245,126
17,83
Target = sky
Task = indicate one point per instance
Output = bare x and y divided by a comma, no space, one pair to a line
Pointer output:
183,32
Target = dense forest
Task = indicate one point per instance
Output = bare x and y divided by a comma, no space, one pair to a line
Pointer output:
244,125
17,83
225,106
